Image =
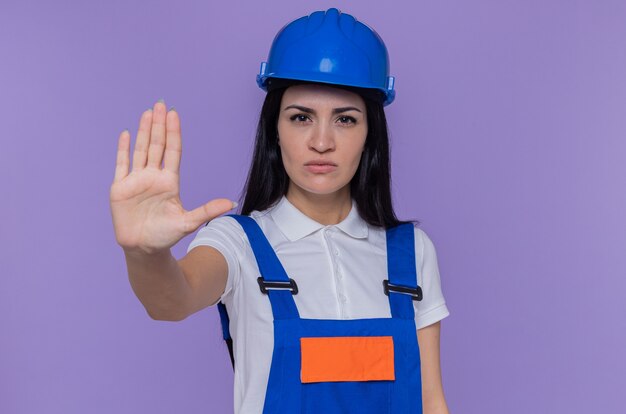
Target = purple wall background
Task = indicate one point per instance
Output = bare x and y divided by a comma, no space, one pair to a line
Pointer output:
508,144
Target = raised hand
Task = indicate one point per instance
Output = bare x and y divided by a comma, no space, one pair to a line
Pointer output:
148,216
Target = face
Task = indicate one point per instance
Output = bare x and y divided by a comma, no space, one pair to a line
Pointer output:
322,133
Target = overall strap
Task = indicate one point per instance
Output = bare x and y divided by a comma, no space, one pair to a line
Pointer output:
273,275
225,321
402,286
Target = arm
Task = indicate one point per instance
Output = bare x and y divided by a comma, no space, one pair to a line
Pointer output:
433,399
172,290
149,218
158,283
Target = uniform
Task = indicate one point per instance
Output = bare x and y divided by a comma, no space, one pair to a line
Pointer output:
338,270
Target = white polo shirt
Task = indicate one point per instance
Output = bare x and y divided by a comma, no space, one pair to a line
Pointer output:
339,270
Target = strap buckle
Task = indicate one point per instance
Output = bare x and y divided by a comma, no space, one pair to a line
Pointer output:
266,285
415,293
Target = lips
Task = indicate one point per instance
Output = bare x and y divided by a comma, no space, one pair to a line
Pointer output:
321,162
320,166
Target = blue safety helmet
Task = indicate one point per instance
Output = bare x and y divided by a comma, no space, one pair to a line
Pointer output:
329,47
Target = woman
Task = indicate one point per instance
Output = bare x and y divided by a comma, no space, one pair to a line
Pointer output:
334,304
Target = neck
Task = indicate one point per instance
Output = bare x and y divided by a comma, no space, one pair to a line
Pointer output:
326,209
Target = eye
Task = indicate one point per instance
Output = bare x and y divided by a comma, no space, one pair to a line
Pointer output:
299,118
346,120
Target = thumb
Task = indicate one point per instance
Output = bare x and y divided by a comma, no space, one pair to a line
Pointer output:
207,212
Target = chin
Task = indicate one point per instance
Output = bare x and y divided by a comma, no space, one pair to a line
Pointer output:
320,188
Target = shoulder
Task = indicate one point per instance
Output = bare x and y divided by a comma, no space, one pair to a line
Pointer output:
223,233
223,224
422,239
228,226
420,236
424,247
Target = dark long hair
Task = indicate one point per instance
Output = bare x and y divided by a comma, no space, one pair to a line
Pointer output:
370,187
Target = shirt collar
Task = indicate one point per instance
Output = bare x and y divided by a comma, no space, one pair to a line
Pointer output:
295,225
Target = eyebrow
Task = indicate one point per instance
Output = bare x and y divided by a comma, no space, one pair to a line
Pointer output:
312,111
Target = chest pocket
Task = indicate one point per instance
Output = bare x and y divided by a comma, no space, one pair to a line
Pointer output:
355,372
347,358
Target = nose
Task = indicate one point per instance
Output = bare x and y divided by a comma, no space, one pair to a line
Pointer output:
322,139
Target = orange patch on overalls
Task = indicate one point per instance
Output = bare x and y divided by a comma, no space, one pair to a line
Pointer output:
347,358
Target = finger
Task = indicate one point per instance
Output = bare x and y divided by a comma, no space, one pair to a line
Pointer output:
140,155
207,212
173,144
123,149
157,135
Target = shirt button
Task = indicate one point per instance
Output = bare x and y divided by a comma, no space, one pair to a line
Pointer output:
339,276
342,298
336,252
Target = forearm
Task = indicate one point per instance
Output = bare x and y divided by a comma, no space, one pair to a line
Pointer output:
159,283
433,400
438,406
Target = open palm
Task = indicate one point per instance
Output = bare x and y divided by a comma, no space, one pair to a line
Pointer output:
148,215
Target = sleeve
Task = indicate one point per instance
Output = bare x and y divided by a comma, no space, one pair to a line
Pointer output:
432,308
226,236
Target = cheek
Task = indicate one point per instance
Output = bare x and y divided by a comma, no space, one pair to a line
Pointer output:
285,139
287,149
290,153
357,148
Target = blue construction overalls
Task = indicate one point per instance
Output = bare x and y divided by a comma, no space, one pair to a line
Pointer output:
326,366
